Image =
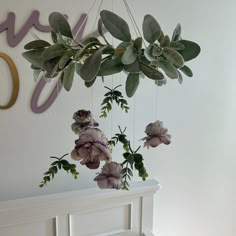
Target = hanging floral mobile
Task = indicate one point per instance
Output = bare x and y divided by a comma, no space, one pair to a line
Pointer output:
91,59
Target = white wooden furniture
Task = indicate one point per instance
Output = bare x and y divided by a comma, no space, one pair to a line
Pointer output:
91,212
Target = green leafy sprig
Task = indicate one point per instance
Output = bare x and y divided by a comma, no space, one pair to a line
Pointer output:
60,164
120,137
113,96
133,159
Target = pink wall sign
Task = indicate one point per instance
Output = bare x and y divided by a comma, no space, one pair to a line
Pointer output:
14,38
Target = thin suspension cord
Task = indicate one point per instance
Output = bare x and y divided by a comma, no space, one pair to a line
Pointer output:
131,19
112,79
98,12
134,99
85,19
156,112
134,121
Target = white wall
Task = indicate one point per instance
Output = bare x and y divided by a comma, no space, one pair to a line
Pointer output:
197,170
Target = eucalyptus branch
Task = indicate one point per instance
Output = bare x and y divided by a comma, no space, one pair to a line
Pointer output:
58,165
113,96
132,159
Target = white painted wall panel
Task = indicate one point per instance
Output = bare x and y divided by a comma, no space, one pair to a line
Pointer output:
115,219
79,214
43,228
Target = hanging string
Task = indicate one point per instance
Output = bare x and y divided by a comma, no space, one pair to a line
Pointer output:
134,121
112,41
137,32
94,24
128,8
156,110
131,19
97,16
112,79
85,19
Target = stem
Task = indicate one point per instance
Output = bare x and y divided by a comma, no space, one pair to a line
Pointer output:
63,156
137,149
130,148
125,179
116,87
55,158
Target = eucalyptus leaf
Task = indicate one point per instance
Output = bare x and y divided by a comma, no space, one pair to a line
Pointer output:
173,56
161,36
100,31
142,58
59,24
36,44
64,61
133,68
92,40
54,36
148,53
151,29
116,26
34,67
77,68
168,68
90,83
156,50
51,66
90,68
129,55
68,76
36,74
176,45
111,66
190,51
34,57
67,42
132,84
187,71
180,78
177,33
165,42
89,44
151,72
53,51
138,42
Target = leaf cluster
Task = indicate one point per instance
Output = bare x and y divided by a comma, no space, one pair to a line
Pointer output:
91,58
60,164
113,96
132,159
120,137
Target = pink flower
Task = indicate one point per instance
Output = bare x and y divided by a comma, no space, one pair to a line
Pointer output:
91,148
156,135
83,120
110,177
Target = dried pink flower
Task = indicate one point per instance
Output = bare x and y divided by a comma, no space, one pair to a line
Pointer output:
110,176
156,135
91,148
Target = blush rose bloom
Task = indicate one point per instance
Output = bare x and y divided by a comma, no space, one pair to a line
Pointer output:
83,120
110,176
156,135
91,148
